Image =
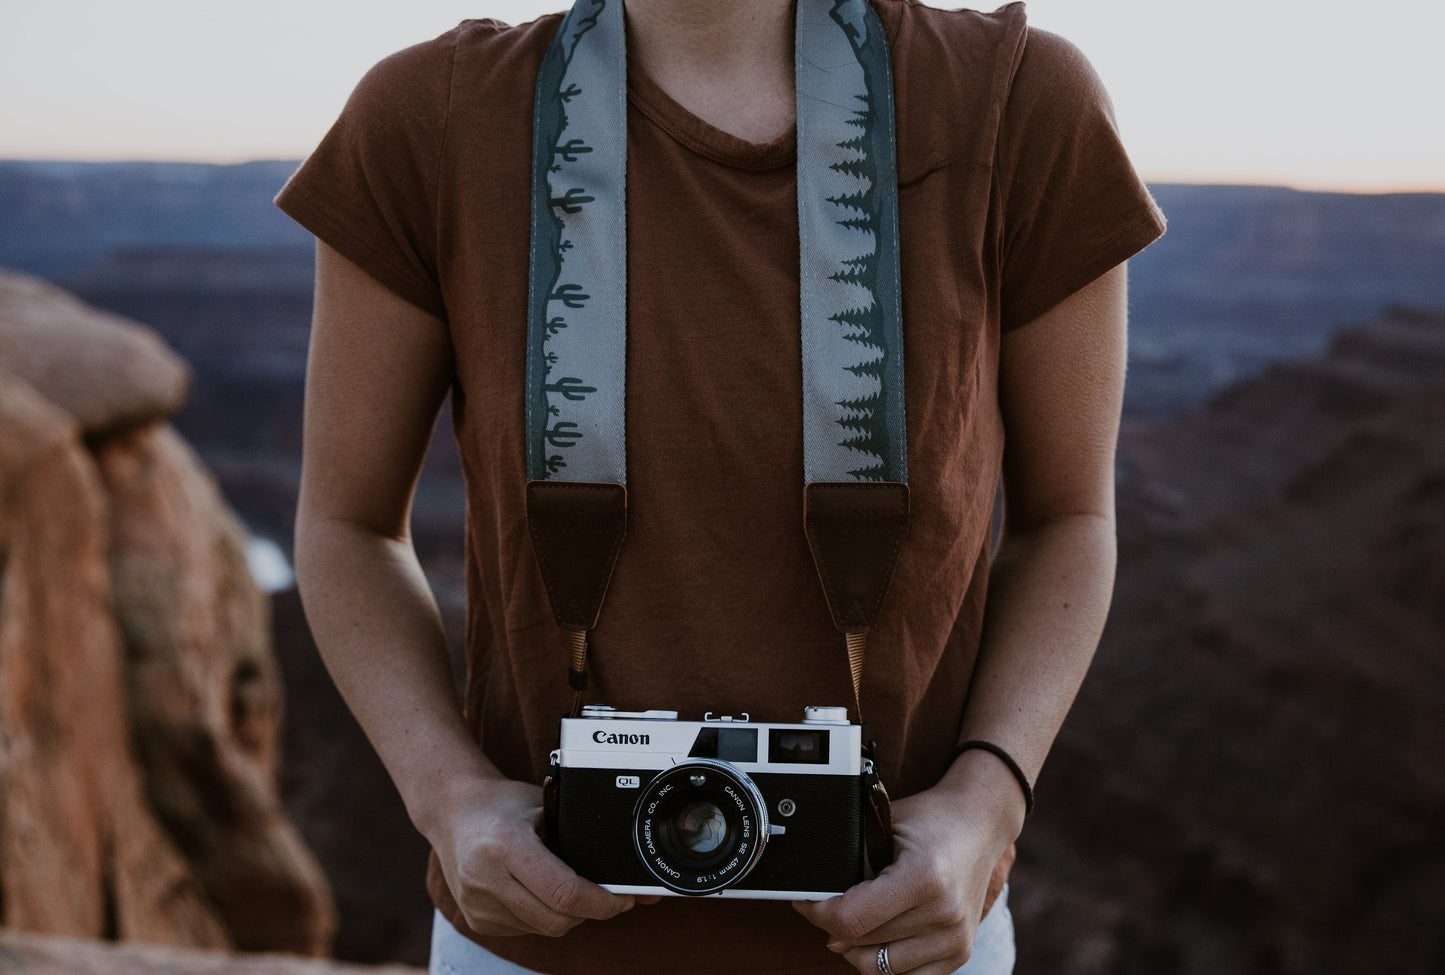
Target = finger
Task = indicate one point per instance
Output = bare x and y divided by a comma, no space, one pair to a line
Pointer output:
498,922
560,890
936,968
853,915
487,911
911,923
507,924
812,910
532,913
865,959
945,951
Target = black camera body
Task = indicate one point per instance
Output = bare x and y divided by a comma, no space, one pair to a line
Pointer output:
647,804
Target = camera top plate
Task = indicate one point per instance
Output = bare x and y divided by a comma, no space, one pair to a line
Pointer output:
606,711
638,740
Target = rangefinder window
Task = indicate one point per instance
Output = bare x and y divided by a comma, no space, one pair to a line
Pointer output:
727,744
798,747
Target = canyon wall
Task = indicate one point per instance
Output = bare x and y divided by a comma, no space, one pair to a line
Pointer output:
139,698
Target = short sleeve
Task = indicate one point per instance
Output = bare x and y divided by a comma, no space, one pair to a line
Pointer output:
1073,206
370,188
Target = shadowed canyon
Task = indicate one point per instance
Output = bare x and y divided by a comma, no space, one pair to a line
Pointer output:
1249,781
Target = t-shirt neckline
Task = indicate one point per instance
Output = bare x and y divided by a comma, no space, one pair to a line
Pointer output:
702,137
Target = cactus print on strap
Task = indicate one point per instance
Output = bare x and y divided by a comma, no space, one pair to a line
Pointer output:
851,318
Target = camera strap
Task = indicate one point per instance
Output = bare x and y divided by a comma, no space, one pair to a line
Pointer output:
854,436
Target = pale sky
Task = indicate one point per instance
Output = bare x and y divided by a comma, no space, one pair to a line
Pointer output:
1316,94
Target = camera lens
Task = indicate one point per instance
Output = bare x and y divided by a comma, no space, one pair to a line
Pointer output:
700,827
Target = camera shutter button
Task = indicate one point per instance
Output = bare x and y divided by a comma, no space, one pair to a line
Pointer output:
830,715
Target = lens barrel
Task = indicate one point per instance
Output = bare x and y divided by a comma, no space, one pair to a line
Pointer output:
699,827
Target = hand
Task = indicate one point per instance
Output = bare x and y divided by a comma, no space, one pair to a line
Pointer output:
503,877
926,906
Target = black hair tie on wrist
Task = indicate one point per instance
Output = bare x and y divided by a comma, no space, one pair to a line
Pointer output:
1008,760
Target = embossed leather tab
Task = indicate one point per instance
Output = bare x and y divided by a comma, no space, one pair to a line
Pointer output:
877,824
855,529
577,528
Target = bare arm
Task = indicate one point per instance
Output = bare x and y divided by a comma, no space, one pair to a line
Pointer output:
376,376
1061,390
377,372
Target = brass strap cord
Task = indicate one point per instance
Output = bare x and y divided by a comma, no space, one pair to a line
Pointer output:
878,828
577,667
856,642
855,530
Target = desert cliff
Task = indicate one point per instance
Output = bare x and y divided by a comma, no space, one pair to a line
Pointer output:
1250,780
139,698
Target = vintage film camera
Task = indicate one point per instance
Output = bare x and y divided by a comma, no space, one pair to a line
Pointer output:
648,804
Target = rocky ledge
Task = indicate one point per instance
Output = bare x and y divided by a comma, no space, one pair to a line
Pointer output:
1251,778
140,700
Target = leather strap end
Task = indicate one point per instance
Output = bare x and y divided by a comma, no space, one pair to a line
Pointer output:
577,529
877,824
855,530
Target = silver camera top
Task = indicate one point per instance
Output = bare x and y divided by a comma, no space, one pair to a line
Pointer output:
825,742
607,711
811,715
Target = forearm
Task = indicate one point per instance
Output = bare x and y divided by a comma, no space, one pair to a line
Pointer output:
1049,593
380,634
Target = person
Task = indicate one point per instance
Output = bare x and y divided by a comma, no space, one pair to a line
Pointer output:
1018,209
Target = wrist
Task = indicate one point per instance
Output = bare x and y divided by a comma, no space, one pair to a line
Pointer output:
1026,788
435,801
987,791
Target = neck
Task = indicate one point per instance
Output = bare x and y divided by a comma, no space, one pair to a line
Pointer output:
730,62
712,33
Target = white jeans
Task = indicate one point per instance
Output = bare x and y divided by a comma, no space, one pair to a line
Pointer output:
452,953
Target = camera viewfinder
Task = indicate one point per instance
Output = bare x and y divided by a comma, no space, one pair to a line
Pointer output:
798,747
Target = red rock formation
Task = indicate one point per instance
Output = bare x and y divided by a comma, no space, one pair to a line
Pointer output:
103,370
139,699
205,693
80,852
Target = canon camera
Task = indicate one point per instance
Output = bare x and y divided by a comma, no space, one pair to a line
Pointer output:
647,804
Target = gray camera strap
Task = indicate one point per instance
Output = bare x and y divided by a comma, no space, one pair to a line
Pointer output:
854,439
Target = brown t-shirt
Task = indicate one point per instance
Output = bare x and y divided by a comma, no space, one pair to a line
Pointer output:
1014,193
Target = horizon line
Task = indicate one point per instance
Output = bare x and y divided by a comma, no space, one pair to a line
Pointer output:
1306,185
